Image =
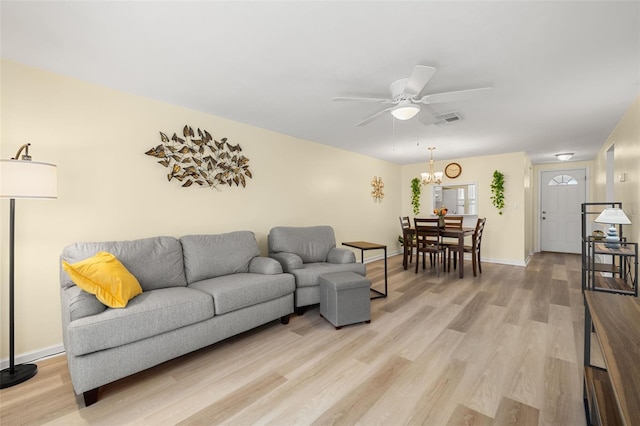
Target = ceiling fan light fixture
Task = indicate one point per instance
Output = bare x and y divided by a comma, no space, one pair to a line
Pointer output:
405,111
565,156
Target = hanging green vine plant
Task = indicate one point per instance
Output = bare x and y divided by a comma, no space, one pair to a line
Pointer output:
497,191
415,195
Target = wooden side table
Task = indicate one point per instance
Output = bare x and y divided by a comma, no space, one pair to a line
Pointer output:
364,245
613,395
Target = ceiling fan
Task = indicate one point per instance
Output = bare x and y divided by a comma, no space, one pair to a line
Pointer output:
405,103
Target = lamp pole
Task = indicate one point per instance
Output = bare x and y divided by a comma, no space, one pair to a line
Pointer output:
14,374
12,233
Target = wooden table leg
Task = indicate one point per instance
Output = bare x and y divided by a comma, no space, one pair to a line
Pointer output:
461,255
404,256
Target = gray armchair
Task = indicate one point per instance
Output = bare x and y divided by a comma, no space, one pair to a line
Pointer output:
307,253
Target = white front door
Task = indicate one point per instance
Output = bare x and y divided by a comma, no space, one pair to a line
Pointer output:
562,193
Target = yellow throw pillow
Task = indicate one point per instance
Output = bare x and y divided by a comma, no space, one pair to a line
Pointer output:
107,278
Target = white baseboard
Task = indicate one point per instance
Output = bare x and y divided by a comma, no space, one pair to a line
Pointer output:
467,256
380,256
507,262
30,357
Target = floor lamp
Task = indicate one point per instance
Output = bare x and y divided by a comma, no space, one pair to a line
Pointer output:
21,178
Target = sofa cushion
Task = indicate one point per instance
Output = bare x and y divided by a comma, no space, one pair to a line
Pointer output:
151,313
104,276
156,262
309,275
210,256
237,291
311,243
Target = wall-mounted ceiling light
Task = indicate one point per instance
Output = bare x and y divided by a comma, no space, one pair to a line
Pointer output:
405,110
565,156
431,176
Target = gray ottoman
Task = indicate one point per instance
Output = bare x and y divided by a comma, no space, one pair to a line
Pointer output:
344,298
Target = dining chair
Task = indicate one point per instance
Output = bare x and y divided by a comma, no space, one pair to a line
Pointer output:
454,222
474,248
428,241
408,237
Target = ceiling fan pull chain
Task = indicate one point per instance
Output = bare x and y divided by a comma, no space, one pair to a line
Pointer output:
393,126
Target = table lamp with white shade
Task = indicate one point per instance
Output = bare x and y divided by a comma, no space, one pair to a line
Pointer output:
613,216
22,178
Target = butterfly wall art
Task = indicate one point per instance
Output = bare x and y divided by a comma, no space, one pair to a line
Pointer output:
196,158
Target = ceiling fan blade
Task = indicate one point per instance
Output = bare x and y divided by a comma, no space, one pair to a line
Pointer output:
374,116
348,98
418,79
453,96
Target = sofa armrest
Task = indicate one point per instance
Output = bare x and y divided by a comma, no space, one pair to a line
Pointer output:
340,255
265,266
79,303
289,261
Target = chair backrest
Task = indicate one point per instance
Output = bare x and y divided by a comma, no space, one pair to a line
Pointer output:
453,222
427,231
477,234
311,243
405,222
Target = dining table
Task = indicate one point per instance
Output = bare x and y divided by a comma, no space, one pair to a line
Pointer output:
459,233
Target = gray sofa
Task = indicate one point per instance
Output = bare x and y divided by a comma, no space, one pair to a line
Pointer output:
197,290
307,253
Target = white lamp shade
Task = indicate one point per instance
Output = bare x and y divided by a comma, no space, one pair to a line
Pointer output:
28,179
613,216
405,112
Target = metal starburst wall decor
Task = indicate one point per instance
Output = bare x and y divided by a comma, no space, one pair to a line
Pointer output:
198,158
377,186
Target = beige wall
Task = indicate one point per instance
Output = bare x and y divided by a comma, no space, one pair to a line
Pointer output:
110,190
505,239
625,140
529,198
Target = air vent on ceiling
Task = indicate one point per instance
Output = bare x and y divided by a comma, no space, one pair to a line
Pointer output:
449,117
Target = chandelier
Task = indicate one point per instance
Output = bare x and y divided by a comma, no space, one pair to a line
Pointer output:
431,176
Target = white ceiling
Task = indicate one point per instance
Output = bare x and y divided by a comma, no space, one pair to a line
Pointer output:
563,72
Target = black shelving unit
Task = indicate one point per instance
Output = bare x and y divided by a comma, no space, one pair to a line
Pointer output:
618,273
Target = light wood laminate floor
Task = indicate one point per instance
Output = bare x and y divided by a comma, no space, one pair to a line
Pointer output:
503,348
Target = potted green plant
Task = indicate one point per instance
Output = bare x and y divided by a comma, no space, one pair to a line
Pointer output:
497,191
415,195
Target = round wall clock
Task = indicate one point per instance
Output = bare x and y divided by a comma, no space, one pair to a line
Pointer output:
453,170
